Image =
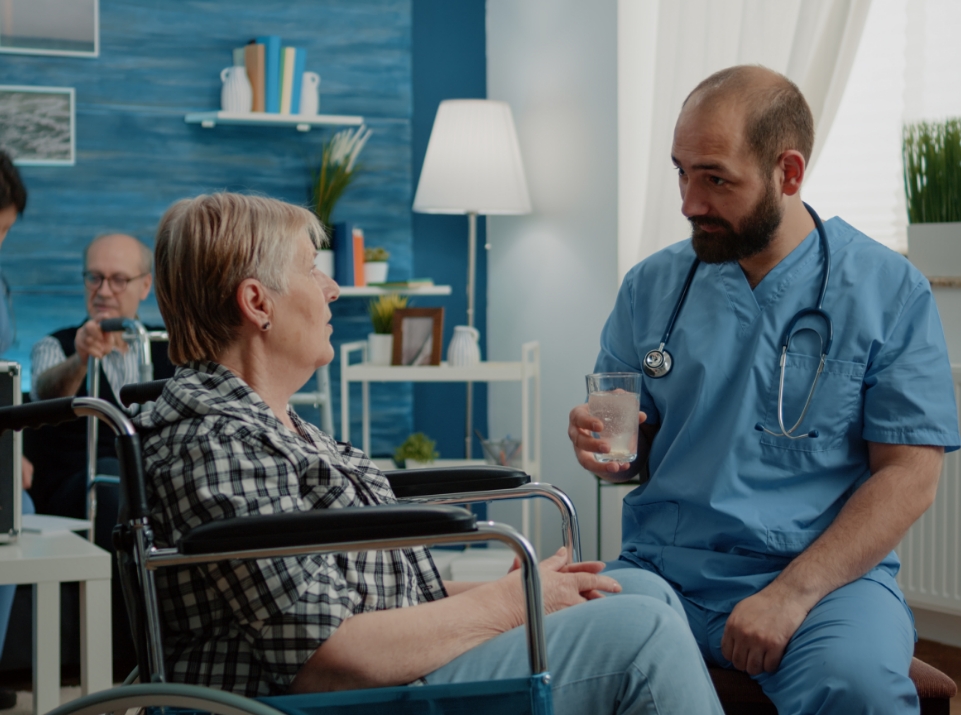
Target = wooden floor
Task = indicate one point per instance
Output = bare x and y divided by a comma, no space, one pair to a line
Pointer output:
946,659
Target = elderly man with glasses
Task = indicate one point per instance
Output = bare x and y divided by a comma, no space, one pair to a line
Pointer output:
116,277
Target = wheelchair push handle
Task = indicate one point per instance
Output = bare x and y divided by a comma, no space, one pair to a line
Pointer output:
141,392
34,415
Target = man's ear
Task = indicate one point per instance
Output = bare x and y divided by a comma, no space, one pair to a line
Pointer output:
254,302
147,282
792,166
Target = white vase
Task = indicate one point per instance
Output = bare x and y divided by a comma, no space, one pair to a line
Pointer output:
236,94
463,350
324,260
935,248
380,348
310,93
375,272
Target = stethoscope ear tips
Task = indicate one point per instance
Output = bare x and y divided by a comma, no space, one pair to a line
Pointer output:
758,427
813,433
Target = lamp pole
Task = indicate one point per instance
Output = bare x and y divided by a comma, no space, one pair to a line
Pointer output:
471,269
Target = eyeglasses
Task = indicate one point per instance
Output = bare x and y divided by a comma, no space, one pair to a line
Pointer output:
118,283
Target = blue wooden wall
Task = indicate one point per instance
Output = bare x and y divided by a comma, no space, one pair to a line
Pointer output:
135,155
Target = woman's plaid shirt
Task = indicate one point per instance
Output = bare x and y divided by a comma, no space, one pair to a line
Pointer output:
213,450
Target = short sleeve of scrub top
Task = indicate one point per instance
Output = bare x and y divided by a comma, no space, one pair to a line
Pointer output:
904,400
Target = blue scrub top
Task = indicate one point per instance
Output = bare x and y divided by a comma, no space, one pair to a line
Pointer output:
727,507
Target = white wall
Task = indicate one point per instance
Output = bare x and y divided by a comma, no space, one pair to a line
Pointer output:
552,275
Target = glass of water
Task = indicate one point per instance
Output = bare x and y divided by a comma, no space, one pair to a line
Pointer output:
614,398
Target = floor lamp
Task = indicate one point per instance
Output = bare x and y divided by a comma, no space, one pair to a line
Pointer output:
472,166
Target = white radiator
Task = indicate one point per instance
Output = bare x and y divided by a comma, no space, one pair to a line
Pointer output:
930,571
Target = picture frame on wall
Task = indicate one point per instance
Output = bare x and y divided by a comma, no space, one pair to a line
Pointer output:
38,125
418,333
66,28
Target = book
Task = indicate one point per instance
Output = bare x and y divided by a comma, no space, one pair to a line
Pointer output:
271,45
299,63
288,57
254,61
357,236
342,243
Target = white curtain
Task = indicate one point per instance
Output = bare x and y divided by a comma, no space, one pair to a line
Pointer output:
665,47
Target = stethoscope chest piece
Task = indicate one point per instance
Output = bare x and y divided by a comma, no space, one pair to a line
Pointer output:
657,363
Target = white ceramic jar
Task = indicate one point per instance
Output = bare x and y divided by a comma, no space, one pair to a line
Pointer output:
236,94
310,93
463,350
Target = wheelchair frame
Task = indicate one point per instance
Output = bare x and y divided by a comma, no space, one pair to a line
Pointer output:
446,525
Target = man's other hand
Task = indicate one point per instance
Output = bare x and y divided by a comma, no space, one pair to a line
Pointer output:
91,341
585,445
759,628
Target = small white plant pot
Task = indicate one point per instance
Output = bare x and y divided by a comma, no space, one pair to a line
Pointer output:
375,272
325,262
380,348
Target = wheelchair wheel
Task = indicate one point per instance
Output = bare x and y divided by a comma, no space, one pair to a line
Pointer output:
193,698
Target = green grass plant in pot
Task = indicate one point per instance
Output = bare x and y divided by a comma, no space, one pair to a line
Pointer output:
338,169
375,265
417,450
380,343
932,186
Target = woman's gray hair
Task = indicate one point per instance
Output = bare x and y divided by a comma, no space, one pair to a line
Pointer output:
208,245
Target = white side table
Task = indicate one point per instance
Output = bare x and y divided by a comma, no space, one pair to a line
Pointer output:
46,561
526,371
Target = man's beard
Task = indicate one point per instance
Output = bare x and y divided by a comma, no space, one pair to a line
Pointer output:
727,245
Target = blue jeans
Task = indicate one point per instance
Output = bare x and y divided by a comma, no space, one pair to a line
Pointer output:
851,654
7,592
621,654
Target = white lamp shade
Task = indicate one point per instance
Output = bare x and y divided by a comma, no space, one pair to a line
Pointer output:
473,161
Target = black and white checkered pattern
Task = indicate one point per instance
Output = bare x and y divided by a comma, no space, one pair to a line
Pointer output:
214,450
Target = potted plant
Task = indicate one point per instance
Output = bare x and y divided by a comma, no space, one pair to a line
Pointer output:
416,451
338,169
380,343
932,185
375,265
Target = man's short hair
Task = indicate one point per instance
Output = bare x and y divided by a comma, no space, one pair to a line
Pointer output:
208,245
146,255
778,117
12,191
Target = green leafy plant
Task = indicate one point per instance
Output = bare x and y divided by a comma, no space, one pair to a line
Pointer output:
932,171
338,167
382,310
375,254
418,447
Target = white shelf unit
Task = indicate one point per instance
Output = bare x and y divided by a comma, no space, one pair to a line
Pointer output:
372,291
526,371
302,122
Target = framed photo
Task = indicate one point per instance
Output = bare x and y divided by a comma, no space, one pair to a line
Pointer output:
417,336
38,125
68,28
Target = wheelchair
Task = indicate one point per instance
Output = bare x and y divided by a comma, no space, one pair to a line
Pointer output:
268,536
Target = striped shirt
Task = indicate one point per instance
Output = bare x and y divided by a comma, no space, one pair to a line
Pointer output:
121,368
212,450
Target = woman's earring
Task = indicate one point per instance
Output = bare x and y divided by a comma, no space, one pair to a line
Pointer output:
266,326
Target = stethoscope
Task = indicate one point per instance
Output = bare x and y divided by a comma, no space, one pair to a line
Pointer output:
658,362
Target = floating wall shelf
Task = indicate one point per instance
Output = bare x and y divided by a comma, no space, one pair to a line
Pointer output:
366,291
302,122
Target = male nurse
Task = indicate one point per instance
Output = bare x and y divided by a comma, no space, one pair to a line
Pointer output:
778,540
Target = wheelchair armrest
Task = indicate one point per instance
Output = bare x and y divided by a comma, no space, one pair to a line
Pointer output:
408,483
328,526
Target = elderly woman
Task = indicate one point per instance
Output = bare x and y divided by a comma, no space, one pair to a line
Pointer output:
249,321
